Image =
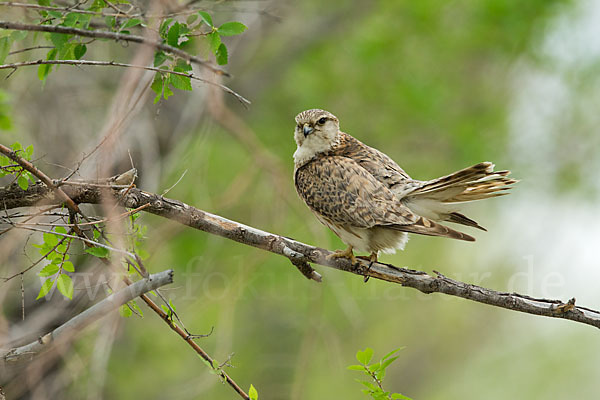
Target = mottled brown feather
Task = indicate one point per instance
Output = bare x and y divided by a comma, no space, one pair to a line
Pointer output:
342,191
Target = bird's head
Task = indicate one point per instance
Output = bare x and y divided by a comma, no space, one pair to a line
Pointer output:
316,132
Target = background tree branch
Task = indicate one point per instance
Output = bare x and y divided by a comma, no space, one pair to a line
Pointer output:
300,254
18,26
94,63
92,314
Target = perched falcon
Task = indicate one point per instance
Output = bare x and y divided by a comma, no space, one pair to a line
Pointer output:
364,197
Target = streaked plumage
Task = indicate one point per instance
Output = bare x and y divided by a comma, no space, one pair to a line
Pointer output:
368,200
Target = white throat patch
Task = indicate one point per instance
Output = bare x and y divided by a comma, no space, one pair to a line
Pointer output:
312,146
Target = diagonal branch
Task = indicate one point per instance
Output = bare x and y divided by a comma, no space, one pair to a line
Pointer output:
90,315
239,97
300,254
114,36
40,175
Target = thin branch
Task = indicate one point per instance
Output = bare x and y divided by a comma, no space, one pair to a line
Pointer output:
57,193
92,314
239,97
61,9
114,36
29,49
39,174
298,252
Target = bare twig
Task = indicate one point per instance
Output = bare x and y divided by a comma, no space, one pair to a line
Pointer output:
90,315
114,36
299,252
61,9
239,97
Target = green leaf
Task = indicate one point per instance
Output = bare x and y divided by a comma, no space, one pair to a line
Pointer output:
71,19
131,23
214,41
355,367
84,21
159,58
137,308
29,152
5,44
50,239
391,353
191,19
364,356
399,396
253,393
231,28
180,82
173,35
48,270
167,92
18,35
59,40
64,284
101,252
110,21
221,54
47,285
157,86
79,50
125,311
182,66
164,27
45,69
386,363
23,182
68,266
206,18
60,229
370,386
374,367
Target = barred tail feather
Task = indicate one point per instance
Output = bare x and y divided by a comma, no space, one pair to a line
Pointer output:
473,183
424,226
440,199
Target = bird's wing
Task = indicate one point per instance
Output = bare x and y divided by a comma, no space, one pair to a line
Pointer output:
382,167
343,192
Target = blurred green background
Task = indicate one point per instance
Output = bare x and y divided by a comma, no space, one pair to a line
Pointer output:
438,86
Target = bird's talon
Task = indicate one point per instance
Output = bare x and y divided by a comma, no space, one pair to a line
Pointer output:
372,259
347,253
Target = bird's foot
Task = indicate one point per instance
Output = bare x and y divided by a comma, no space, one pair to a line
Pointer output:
371,259
348,253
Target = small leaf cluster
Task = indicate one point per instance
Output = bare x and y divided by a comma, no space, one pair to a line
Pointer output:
9,167
54,249
180,35
376,373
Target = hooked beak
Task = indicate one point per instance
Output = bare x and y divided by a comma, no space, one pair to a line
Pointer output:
307,130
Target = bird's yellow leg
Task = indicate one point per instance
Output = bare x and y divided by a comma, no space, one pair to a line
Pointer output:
348,253
373,258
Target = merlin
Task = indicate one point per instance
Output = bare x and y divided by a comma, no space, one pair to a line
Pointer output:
368,201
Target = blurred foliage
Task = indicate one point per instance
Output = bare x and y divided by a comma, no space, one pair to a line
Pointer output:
428,82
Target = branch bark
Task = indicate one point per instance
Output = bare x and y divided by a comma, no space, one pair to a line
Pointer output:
92,314
300,253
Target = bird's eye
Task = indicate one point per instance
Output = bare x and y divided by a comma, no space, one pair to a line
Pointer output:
298,126
322,120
